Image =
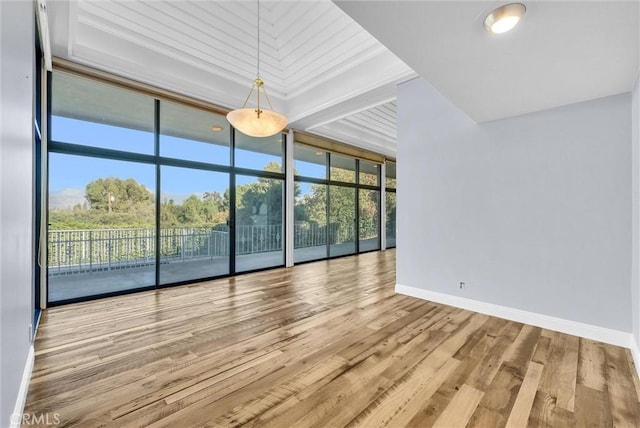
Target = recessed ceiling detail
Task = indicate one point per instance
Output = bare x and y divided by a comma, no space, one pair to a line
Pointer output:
317,61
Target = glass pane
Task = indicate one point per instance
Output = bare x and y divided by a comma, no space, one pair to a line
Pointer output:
193,134
343,169
342,220
391,175
194,236
369,173
259,223
310,236
259,153
94,114
369,204
310,162
102,226
391,219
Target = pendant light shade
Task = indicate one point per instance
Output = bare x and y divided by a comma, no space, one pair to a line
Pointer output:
257,122
247,121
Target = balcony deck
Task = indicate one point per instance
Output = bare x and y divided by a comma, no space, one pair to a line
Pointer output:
97,282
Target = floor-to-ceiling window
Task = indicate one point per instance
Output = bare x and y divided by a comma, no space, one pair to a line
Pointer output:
101,235
342,205
101,214
337,204
390,195
369,206
259,202
145,192
195,158
310,208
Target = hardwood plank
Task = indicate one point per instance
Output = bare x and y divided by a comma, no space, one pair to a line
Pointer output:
625,409
502,393
591,365
592,408
460,409
406,398
320,344
470,358
524,401
545,413
568,373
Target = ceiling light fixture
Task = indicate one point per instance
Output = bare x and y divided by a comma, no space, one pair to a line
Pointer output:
257,122
216,128
504,18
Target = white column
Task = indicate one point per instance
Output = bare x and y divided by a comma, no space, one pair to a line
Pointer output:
383,206
290,203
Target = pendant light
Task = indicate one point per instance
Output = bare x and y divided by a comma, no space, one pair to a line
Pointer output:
257,122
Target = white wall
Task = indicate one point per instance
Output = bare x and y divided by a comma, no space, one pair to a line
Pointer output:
635,216
531,212
16,193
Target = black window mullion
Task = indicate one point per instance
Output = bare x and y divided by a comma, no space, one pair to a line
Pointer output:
231,221
193,165
326,204
97,152
260,174
284,232
380,196
357,205
156,151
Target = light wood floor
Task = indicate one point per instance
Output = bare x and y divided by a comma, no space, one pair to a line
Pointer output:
326,344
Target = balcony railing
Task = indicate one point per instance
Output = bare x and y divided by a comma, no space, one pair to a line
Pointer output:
92,250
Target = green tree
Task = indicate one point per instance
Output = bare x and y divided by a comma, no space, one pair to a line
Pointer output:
342,207
169,213
261,202
191,212
116,195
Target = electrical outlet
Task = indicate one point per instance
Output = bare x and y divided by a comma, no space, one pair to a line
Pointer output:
30,332
462,285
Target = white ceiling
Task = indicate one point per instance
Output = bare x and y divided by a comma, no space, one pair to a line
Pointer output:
333,78
328,75
562,52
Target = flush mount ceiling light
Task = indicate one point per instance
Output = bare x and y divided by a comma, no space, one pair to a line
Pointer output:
216,128
257,122
504,18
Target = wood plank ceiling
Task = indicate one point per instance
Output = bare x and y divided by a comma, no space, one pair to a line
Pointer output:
321,68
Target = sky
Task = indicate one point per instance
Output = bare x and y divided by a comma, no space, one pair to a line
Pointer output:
69,174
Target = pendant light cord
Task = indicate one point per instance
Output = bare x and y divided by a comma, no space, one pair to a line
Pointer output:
258,27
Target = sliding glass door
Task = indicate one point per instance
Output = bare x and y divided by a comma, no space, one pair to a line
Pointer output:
259,223
194,231
102,228
342,220
368,206
259,202
390,195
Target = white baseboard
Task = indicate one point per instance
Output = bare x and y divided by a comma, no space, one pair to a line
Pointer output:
16,416
601,334
635,352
